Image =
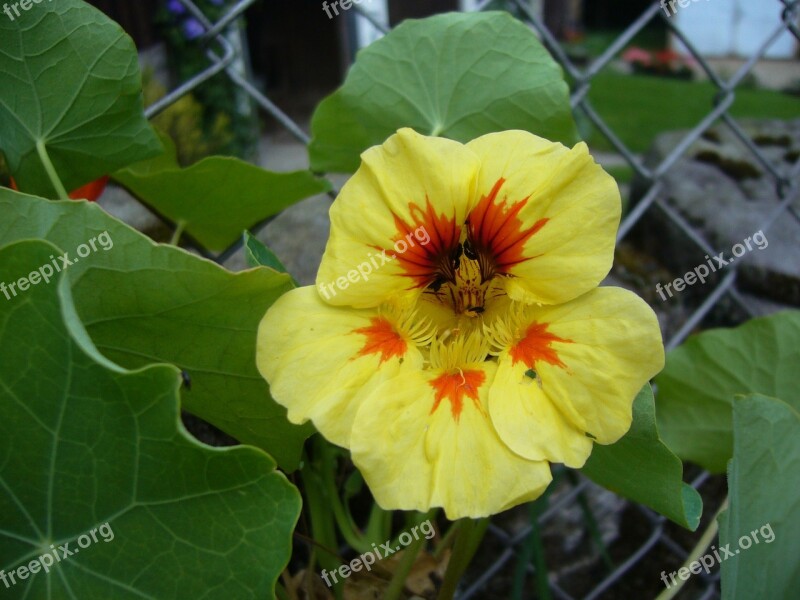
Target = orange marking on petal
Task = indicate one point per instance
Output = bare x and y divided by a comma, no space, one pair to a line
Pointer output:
496,229
454,386
382,338
536,346
420,262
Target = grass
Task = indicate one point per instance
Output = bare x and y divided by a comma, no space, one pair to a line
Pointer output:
638,108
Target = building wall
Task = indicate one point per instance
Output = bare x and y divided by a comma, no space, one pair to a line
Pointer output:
733,27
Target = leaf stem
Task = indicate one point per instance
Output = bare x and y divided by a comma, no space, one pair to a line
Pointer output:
41,149
180,227
696,553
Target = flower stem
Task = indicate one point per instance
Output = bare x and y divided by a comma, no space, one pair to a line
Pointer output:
696,553
469,536
379,525
535,550
344,523
51,170
446,541
322,523
398,582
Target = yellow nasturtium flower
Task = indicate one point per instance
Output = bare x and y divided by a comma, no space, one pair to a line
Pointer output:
456,340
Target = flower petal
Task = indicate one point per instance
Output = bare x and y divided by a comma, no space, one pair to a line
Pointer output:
409,198
529,423
547,214
591,355
426,439
322,361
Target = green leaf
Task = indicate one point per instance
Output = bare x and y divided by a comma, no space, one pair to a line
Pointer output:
145,303
703,375
258,255
641,468
217,197
457,75
763,481
71,83
86,445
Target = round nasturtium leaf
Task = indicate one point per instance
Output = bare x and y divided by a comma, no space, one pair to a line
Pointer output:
145,303
457,75
217,198
71,89
701,377
96,470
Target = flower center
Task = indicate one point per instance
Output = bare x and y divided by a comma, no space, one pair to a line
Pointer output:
465,280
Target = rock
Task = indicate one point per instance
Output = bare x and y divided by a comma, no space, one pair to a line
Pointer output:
723,192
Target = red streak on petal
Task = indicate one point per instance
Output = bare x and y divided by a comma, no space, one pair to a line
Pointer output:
420,262
383,339
454,386
536,346
496,229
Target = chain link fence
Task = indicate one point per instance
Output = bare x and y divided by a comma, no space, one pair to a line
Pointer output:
654,545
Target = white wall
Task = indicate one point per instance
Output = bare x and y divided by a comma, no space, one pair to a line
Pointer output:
733,27
366,32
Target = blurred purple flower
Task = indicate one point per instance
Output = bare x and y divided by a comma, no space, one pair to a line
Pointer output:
175,7
192,28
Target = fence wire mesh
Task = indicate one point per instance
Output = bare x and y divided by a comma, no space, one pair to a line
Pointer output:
511,546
